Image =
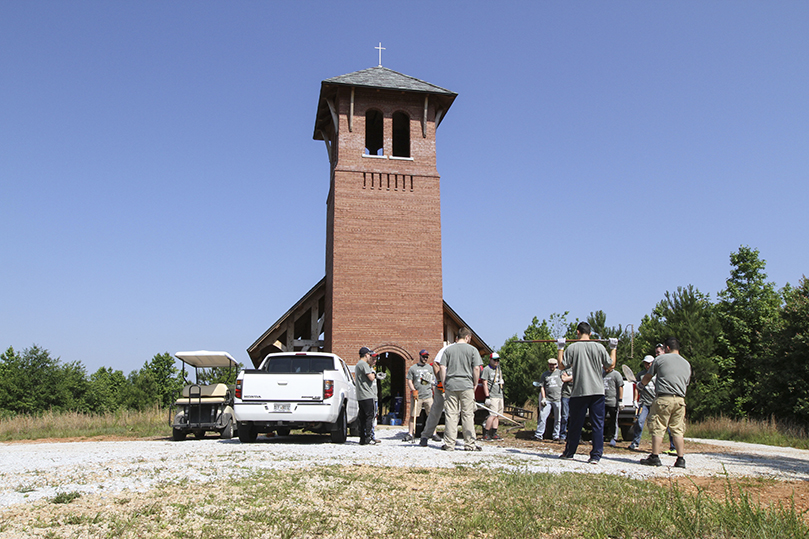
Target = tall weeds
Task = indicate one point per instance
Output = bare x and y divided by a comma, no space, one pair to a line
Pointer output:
758,431
125,423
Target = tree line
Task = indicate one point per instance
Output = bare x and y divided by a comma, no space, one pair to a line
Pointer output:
748,349
32,382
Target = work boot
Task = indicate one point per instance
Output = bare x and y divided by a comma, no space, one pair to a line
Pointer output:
651,460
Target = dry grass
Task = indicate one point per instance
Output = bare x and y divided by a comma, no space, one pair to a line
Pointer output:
757,431
123,423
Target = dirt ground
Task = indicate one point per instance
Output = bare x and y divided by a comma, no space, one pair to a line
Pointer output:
760,490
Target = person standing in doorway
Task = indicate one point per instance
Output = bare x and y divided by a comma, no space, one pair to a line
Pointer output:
420,384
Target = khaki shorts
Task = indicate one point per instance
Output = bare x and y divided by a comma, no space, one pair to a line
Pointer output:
417,405
668,412
496,406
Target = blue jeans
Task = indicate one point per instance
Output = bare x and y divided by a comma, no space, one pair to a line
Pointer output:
565,414
578,411
543,418
640,421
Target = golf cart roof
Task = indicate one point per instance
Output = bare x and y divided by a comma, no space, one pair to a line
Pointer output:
205,359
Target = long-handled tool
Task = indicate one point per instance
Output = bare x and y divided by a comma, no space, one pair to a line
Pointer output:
630,376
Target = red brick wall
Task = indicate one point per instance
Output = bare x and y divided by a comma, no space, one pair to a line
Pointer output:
384,280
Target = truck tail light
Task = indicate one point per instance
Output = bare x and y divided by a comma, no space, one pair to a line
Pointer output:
238,389
328,389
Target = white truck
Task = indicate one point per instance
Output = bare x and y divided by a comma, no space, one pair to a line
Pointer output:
296,390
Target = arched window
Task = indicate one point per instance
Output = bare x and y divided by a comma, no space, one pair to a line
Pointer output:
373,132
401,134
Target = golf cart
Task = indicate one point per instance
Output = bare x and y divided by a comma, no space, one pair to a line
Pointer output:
204,407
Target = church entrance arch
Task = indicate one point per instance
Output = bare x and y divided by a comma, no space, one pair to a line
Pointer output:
393,401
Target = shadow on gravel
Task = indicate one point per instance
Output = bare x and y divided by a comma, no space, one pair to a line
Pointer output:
775,463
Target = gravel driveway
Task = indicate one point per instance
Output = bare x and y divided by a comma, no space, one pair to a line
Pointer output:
30,471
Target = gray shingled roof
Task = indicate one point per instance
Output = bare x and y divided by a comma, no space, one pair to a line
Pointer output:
382,77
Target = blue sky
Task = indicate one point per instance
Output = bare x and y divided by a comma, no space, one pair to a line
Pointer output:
160,189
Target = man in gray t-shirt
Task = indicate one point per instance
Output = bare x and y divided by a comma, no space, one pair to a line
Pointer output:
365,378
550,400
586,359
613,394
460,372
673,374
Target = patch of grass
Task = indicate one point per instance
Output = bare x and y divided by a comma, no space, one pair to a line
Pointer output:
123,423
65,497
359,502
757,431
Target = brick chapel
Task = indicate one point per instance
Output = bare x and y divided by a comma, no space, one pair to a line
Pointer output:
383,283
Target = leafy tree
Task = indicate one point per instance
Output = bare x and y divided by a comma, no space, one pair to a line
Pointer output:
165,374
600,330
746,307
32,382
689,315
784,383
108,390
523,363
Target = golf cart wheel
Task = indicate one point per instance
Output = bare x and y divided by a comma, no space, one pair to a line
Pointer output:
178,435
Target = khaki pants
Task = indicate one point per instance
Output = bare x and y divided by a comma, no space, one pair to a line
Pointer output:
459,404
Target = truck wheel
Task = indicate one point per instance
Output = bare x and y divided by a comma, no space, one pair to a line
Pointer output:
282,431
626,432
340,432
178,435
247,433
227,432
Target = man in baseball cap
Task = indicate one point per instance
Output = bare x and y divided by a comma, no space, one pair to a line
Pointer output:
365,377
493,390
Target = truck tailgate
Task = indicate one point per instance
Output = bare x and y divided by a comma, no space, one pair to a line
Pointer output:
282,387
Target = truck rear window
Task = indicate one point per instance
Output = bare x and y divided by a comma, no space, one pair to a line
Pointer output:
299,365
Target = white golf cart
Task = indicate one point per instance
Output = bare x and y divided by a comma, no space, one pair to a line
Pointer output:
204,407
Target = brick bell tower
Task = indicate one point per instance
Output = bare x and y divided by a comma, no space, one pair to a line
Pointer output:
383,283
383,237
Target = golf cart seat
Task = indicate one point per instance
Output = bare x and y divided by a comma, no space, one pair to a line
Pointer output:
212,394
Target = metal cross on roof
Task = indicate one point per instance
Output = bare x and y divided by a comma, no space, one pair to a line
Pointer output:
380,48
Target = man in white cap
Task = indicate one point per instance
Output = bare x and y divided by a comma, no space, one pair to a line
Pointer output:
550,399
492,377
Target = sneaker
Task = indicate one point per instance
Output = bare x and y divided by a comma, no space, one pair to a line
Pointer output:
447,448
376,442
651,460
496,437
593,460
473,448
538,438
680,462
565,456
423,442
613,443
408,437
487,438
436,438
632,447
672,452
